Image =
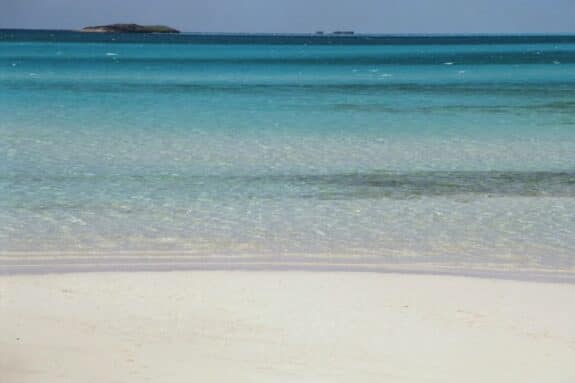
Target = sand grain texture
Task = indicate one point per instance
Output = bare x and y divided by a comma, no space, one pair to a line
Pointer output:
283,327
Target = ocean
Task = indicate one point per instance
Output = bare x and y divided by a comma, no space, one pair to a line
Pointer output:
442,150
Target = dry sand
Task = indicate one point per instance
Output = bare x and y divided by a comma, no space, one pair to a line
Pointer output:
274,326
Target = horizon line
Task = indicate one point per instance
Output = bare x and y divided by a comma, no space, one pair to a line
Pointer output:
330,33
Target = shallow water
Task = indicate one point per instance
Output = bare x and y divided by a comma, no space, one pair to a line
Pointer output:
444,151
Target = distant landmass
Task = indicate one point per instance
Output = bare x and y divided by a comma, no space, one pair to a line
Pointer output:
130,28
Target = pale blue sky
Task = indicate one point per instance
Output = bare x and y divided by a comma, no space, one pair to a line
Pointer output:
384,16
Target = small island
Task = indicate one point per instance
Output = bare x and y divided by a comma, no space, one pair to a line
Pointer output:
130,28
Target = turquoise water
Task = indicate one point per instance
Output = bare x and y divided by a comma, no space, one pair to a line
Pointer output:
457,151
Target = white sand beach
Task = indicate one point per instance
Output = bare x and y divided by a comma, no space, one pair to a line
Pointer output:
283,326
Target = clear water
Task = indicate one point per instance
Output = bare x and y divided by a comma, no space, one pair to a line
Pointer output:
454,152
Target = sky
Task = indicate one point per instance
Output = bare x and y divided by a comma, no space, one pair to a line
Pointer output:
284,16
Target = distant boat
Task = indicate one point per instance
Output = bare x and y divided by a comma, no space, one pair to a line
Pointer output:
343,32
320,33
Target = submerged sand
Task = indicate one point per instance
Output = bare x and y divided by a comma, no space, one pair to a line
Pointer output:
274,326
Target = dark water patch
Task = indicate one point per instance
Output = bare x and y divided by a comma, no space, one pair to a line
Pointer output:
556,106
561,107
378,108
352,58
26,191
386,108
567,107
22,35
516,89
436,184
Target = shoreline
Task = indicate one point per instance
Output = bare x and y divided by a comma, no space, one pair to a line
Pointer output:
250,326
40,263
